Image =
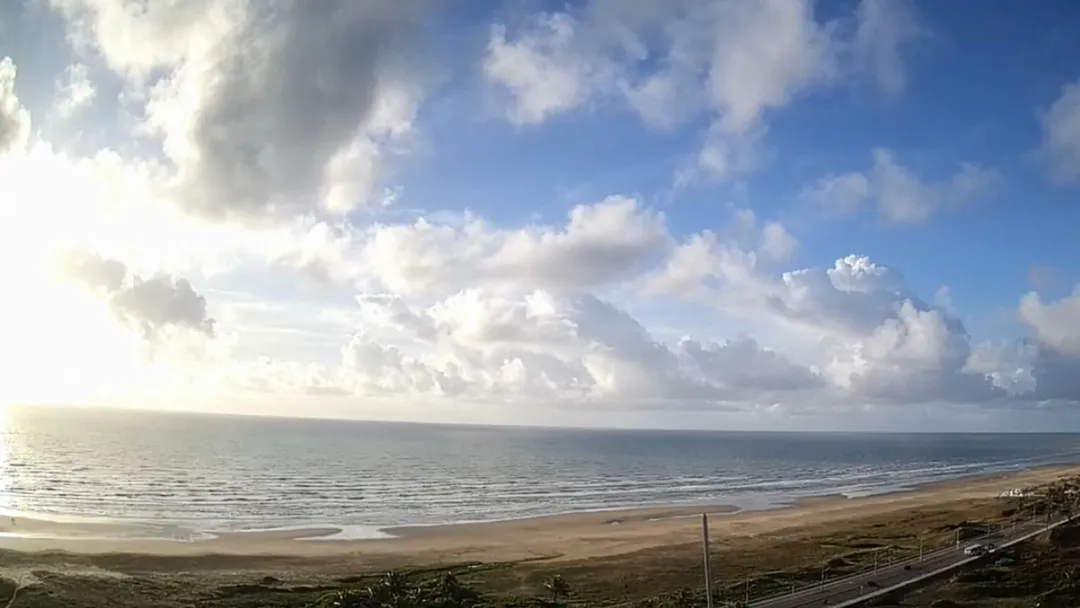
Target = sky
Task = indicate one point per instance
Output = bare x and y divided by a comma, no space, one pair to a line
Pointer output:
736,214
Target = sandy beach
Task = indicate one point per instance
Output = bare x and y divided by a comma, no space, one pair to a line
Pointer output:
572,536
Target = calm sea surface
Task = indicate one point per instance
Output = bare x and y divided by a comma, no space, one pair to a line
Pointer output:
193,474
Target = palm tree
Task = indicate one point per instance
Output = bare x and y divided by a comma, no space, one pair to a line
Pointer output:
450,592
683,598
557,587
392,591
449,585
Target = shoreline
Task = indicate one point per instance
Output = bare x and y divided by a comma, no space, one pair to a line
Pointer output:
562,536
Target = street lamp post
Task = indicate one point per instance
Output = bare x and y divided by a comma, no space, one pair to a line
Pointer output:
705,557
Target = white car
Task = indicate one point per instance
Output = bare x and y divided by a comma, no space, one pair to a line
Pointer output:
977,550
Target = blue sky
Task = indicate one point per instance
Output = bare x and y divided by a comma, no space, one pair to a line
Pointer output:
975,89
492,126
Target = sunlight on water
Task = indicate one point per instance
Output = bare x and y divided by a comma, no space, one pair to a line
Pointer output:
6,501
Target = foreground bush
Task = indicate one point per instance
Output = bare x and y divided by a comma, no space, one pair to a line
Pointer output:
393,591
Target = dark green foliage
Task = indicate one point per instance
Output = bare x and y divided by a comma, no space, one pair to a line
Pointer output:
393,590
557,587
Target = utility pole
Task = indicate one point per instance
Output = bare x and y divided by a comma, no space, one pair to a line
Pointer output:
747,592
876,552
705,554
958,538
920,548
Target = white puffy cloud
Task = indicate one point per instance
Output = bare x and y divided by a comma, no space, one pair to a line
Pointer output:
853,333
1009,366
899,193
777,244
543,70
1061,135
74,92
544,346
764,54
839,194
915,355
876,343
742,362
601,243
1056,324
855,296
737,255
735,59
14,118
870,338
885,29
265,108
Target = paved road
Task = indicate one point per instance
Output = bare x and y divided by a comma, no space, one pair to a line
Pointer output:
850,588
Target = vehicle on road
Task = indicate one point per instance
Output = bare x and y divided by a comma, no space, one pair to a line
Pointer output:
977,549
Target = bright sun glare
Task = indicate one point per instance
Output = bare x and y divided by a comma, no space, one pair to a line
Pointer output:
61,344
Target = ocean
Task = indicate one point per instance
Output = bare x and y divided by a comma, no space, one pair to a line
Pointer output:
189,475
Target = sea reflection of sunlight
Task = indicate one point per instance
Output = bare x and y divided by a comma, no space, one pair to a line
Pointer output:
7,503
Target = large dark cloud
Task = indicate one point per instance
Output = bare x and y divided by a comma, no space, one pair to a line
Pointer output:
267,108
290,92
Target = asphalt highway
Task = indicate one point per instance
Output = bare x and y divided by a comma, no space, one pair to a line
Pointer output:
842,590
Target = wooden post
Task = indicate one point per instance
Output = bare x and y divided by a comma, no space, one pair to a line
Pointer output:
705,555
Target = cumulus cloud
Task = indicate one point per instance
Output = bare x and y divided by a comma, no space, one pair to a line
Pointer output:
1009,366
742,362
542,346
737,60
1056,324
900,194
265,108
152,304
738,254
886,29
839,194
1061,135
74,92
915,355
14,118
542,70
600,243
876,343
777,244
871,338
